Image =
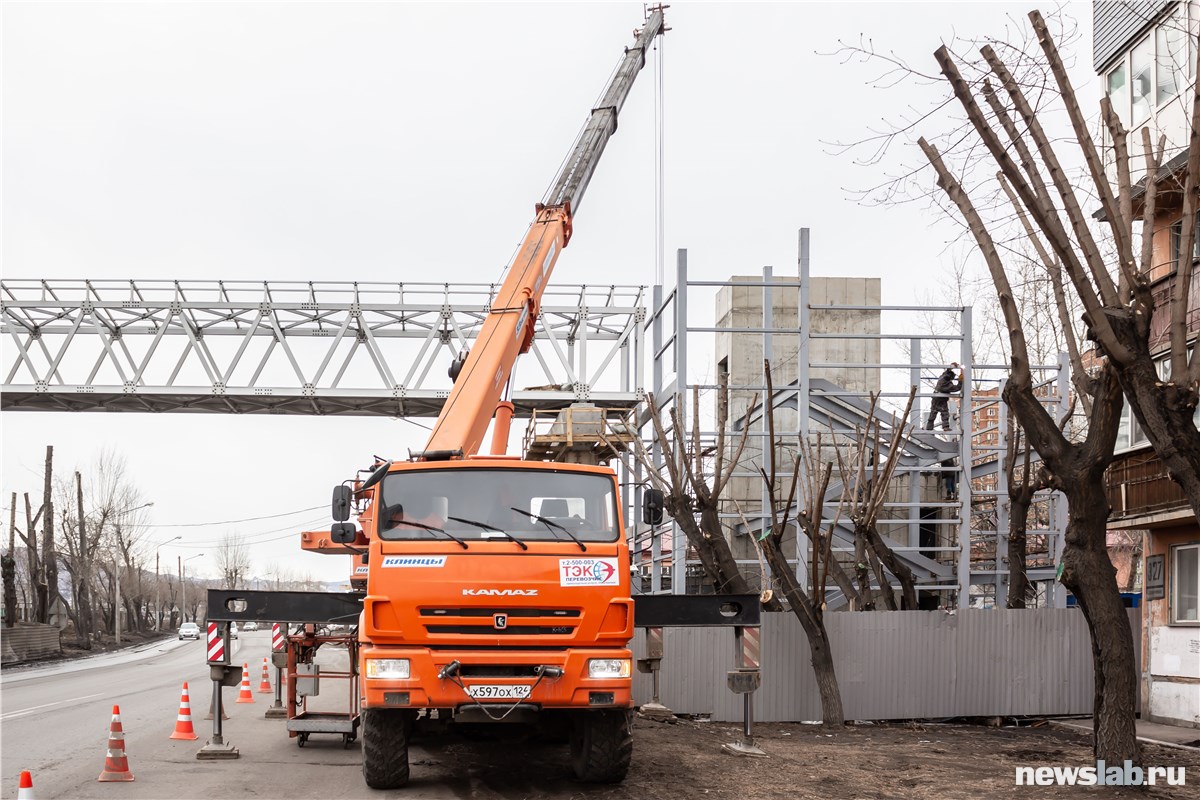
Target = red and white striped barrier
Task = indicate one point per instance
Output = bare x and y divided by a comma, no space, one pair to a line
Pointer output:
751,647
216,644
276,637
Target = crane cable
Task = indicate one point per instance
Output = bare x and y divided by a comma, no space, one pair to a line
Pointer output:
660,252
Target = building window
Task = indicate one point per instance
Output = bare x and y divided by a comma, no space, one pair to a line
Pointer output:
1177,240
1129,430
1155,71
1175,56
1141,83
1185,584
1118,92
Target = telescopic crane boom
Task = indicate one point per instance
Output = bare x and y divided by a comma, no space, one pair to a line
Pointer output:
508,330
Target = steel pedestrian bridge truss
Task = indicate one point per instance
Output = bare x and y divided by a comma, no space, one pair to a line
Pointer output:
245,347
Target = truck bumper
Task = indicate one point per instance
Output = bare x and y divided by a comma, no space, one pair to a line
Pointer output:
423,689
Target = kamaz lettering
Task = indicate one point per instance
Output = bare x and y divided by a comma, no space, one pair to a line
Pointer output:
500,592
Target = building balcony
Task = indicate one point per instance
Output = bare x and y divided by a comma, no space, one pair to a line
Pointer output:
1140,491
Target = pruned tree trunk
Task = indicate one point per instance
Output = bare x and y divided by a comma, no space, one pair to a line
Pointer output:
85,626
1018,548
1089,574
8,569
49,556
881,551
8,566
812,620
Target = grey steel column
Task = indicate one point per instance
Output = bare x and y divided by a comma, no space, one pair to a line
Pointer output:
767,454
656,376
964,459
678,540
915,420
802,383
1003,502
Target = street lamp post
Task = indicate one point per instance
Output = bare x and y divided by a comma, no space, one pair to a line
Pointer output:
183,585
158,586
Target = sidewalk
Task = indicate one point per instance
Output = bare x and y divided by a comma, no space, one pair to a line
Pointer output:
1152,732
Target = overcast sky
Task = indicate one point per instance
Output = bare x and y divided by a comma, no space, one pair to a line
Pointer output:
387,142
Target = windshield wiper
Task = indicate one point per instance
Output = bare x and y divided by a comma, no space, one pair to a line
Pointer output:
425,527
493,528
552,524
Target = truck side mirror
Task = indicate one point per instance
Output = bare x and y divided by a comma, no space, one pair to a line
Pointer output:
653,505
343,532
341,503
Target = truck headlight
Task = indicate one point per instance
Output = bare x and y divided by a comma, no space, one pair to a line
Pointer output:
608,668
388,668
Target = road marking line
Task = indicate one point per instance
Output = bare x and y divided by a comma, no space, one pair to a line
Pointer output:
31,709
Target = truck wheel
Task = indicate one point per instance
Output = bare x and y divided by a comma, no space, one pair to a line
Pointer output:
602,746
385,735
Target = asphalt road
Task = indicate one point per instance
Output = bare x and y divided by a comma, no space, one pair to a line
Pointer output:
54,722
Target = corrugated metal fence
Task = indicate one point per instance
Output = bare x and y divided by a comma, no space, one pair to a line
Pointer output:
891,665
28,640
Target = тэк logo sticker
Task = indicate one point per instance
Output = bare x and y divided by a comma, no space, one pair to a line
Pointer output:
588,572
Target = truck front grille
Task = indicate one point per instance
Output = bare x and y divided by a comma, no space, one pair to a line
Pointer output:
511,630
475,611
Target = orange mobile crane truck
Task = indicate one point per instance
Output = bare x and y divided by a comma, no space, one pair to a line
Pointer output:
497,589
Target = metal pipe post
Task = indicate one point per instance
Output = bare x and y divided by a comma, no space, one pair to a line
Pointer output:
679,541
802,383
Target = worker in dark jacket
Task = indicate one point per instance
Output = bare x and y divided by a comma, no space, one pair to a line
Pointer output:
946,386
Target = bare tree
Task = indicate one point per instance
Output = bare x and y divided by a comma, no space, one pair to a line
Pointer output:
693,498
102,517
1024,154
233,560
807,603
868,466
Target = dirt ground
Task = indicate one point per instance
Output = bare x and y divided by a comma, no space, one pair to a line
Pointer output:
680,760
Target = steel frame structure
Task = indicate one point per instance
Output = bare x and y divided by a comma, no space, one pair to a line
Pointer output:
333,348
953,573
328,348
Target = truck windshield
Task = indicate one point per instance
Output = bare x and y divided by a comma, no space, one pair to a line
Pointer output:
477,504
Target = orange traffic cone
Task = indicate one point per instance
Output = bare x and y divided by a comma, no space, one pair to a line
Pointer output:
183,722
244,696
116,765
25,790
265,686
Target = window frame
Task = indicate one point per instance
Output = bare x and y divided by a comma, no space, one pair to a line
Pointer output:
1124,104
1151,106
1173,583
1176,239
1181,10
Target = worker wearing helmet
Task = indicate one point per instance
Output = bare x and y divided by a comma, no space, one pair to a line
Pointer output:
946,385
